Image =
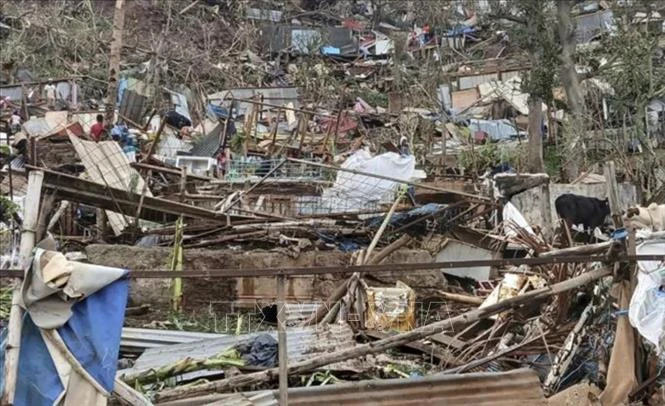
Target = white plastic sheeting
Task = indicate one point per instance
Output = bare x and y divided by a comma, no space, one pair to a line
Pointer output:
353,192
647,306
511,214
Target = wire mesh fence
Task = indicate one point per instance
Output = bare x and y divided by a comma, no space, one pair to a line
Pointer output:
244,168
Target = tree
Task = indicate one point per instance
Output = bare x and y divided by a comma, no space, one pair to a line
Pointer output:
571,85
532,30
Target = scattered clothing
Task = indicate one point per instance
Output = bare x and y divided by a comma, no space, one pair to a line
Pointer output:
262,352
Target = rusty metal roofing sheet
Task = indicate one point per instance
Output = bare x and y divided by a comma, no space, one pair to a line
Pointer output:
517,387
497,389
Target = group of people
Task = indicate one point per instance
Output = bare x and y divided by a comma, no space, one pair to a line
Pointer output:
119,133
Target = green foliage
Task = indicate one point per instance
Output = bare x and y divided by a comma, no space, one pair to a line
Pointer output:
538,36
7,207
5,302
484,157
552,159
633,76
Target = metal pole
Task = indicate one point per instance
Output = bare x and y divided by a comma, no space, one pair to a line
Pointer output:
281,336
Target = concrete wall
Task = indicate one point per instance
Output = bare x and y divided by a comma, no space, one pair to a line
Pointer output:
216,292
538,203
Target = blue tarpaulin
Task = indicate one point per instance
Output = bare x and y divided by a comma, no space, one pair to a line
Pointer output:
92,335
122,86
460,31
218,112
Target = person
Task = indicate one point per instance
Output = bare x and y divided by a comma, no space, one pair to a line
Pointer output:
15,122
97,129
427,36
223,153
119,132
49,94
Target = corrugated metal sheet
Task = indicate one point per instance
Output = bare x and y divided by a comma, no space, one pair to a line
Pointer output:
142,338
15,92
208,145
517,387
303,342
279,96
170,145
36,127
106,164
132,106
496,129
307,39
590,25
445,97
179,101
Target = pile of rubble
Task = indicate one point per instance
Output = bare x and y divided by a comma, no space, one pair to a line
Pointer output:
351,251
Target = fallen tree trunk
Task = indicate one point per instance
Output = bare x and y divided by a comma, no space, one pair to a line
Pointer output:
387,343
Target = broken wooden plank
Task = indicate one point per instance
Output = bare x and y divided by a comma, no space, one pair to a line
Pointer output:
426,349
155,209
448,341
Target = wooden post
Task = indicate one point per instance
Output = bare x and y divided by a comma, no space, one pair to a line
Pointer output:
156,141
183,184
30,216
114,60
273,136
613,193
281,336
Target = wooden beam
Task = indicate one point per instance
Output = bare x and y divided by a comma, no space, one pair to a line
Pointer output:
281,337
170,171
13,348
613,193
153,146
155,209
